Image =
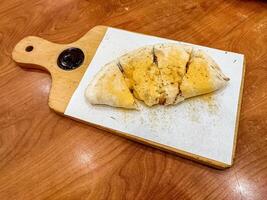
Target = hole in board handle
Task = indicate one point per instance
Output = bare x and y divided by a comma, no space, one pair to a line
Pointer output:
29,48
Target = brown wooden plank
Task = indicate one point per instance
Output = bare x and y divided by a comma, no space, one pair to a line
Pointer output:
44,155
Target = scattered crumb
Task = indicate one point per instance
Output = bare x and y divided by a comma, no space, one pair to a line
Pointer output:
192,112
234,61
210,101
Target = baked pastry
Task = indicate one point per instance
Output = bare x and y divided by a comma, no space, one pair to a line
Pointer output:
109,87
163,74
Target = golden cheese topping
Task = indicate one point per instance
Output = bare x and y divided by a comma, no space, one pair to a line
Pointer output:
114,84
154,73
171,60
147,83
109,87
142,75
160,74
197,80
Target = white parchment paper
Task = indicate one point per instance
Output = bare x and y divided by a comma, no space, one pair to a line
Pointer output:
203,126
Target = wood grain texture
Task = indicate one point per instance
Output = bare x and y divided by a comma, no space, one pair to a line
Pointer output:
47,156
44,55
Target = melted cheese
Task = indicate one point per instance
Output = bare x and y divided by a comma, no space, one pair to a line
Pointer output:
160,74
109,88
142,75
114,85
146,81
172,60
155,72
197,80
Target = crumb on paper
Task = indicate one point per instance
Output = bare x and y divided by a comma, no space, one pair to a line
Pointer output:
210,101
192,111
197,104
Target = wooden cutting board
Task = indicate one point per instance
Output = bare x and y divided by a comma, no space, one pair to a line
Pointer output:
67,64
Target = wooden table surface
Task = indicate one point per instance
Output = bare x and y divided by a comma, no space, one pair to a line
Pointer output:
47,156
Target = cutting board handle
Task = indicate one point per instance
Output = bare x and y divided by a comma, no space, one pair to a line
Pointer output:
35,52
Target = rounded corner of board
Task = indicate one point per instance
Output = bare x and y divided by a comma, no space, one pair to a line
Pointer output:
56,107
99,27
224,166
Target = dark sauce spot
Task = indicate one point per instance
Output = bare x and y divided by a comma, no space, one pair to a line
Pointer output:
162,100
70,58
